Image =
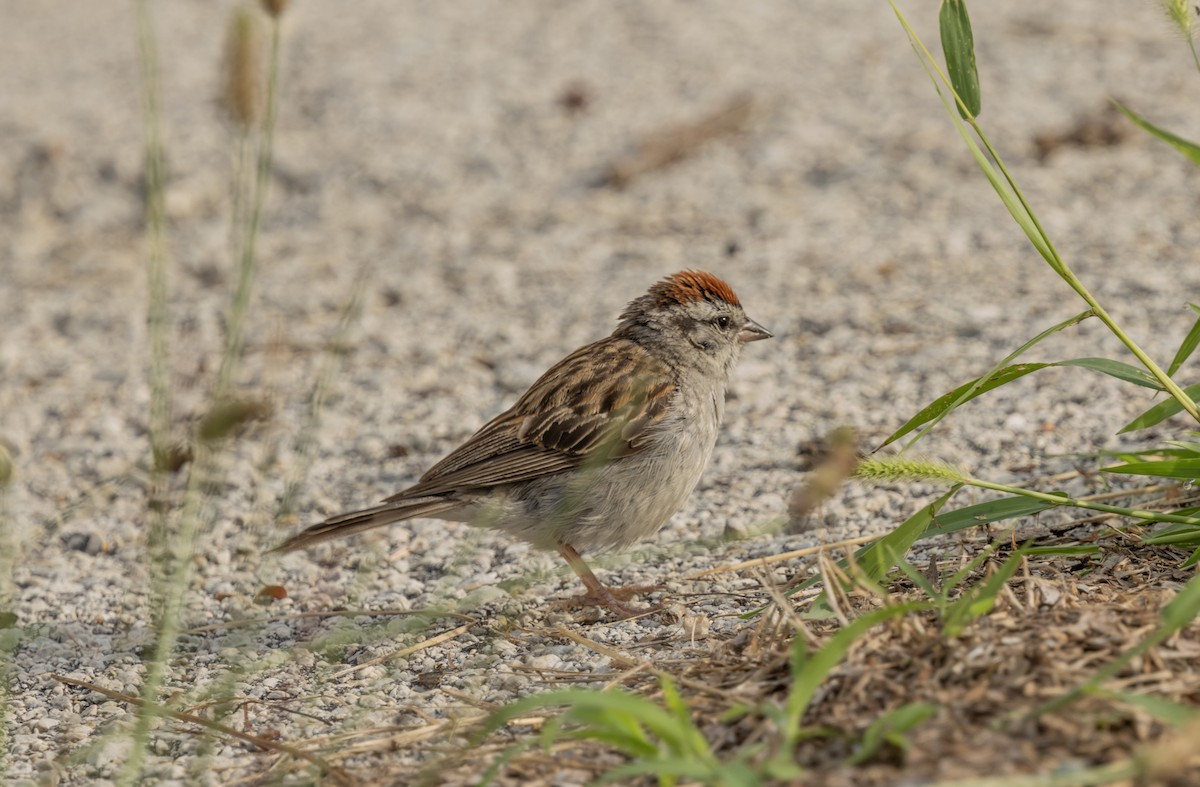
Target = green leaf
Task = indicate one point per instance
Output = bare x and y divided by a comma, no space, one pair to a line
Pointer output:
985,513
1175,534
1190,342
809,672
890,728
879,557
958,45
1117,369
1169,468
1173,713
1160,412
979,600
1189,149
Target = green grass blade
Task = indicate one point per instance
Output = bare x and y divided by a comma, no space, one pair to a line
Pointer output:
890,728
1159,412
1190,342
958,45
980,600
1189,149
1168,468
964,393
959,576
1012,201
985,513
879,557
1117,369
810,672
876,559
1172,713
1175,534
981,385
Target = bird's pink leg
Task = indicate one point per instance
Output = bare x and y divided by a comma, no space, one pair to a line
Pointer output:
598,593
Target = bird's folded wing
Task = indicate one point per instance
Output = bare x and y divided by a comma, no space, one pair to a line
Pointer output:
599,403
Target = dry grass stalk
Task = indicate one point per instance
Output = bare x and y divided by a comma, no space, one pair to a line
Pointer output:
241,93
399,654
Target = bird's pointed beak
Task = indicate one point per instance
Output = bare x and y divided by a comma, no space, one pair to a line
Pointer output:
753,332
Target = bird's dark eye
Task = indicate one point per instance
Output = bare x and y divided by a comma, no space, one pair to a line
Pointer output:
723,322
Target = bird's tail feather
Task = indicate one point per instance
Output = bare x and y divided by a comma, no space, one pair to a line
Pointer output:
358,521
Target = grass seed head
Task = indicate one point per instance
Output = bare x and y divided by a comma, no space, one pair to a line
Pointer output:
1180,14
904,468
241,96
6,467
275,7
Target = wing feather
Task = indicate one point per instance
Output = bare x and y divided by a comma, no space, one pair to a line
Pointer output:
599,403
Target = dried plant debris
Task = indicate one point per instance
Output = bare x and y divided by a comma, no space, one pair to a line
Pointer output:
972,697
663,148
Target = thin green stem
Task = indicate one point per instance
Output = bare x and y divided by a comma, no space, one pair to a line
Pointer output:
1009,190
1067,275
156,318
156,231
236,339
1074,502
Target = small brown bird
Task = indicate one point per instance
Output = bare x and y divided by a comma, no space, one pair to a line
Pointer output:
604,448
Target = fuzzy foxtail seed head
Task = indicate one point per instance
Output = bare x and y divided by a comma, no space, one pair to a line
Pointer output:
1180,14
903,468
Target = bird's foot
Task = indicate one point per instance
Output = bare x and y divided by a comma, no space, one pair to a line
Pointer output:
612,599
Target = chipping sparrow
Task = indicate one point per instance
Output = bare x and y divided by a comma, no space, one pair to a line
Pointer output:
601,450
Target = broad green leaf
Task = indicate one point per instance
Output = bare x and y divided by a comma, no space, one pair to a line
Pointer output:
984,513
1189,149
1160,412
1190,342
958,45
1168,468
1193,560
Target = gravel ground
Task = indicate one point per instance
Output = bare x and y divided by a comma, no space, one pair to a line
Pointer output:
444,155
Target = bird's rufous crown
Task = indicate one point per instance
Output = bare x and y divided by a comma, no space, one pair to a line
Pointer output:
688,286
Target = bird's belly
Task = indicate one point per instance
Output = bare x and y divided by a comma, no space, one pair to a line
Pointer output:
612,505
